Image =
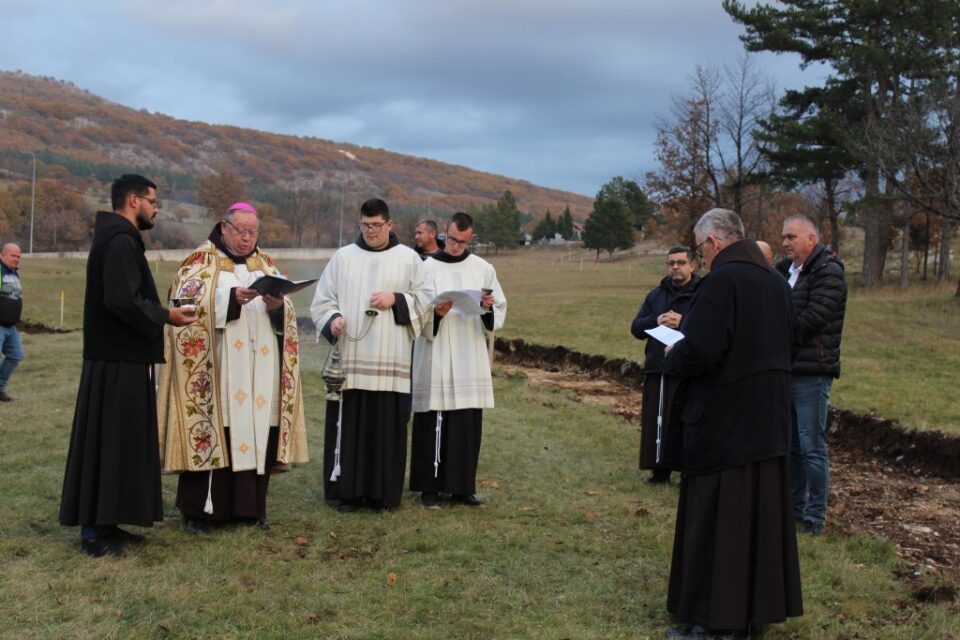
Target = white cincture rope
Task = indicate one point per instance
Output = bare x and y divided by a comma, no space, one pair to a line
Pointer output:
336,452
660,419
208,506
436,445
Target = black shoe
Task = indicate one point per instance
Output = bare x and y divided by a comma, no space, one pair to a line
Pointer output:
348,506
194,527
99,547
467,499
430,499
263,525
124,537
658,479
811,528
4,397
699,632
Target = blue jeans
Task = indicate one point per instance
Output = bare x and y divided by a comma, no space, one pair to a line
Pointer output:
809,460
12,351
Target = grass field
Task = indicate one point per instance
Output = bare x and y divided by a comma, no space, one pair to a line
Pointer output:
570,543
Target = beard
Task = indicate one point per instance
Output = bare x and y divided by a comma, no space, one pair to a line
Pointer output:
144,223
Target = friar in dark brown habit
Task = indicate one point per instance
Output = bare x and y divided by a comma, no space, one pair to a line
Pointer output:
113,463
735,566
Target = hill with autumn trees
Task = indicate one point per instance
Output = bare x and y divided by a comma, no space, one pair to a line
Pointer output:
83,141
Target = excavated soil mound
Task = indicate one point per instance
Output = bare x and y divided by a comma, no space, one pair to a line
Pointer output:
39,327
886,481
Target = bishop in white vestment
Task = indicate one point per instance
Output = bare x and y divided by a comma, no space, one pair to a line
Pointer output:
230,403
452,384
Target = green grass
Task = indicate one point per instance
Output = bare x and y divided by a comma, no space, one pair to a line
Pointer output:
558,551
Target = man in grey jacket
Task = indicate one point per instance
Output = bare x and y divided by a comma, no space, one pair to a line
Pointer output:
11,306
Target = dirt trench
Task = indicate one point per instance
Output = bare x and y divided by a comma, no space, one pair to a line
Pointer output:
886,481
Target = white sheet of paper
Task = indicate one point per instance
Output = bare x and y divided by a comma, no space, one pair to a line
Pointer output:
466,302
665,334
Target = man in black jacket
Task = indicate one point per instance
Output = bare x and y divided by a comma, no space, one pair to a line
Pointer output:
735,563
664,305
11,305
819,300
113,463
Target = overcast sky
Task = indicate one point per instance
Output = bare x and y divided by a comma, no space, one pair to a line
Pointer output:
562,93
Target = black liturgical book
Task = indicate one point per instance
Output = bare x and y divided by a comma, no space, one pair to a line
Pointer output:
276,287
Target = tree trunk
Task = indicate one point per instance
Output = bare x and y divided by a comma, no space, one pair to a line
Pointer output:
831,189
943,269
926,247
872,273
905,254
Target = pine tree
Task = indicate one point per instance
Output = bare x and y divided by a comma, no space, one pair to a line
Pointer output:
610,226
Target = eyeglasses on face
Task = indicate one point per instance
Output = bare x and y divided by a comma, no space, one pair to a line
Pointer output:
243,233
154,202
457,242
372,226
677,263
698,251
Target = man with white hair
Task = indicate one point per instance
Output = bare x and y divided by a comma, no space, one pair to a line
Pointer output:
735,564
820,301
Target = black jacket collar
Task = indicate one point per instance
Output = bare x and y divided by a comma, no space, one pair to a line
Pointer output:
741,251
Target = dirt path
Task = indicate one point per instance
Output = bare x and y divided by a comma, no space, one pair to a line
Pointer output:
879,496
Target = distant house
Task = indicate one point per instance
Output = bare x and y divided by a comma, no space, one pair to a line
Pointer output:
577,231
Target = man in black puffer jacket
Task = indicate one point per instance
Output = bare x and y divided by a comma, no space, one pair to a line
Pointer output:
820,300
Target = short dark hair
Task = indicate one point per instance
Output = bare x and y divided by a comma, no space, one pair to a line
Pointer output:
375,207
125,185
430,224
462,221
680,248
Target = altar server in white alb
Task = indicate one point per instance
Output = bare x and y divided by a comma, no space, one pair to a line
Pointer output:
452,384
365,441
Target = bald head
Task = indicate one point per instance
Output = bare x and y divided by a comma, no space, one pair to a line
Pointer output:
10,255
766,250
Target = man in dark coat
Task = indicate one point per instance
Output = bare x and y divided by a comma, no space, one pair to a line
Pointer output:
735,563
820,301
113,464
664,305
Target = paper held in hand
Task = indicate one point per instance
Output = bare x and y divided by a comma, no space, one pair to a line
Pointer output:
665,334
466,302
276,286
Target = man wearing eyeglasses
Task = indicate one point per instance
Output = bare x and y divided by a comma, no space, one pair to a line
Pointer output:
113,466
231,411
452,384
664,305
371,299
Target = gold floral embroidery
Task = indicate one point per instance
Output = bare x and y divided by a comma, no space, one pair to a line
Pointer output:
265,350
240,396
261,401
244,448
238,345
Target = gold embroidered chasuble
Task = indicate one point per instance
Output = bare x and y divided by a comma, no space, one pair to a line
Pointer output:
228,374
